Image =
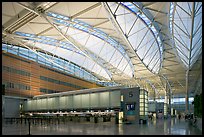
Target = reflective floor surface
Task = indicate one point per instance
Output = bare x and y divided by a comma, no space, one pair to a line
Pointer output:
170,126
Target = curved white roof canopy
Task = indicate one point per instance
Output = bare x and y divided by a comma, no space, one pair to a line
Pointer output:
64,50
186,28
137,30
140,32
95,40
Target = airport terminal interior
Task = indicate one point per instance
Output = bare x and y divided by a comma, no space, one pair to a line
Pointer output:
101,68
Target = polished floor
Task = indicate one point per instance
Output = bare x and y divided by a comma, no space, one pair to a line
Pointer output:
171,126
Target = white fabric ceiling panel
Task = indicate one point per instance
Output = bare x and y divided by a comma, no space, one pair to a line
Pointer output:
113,5
5,18
92,66
97,12
104,74
77,58
146,48
116,59
138,26
126,21
13,7
121,10
71,8
123,63
26,29
128,70
106,27
107,52
94,44
136,38
91,41
78,35
40,28
96,68
88,64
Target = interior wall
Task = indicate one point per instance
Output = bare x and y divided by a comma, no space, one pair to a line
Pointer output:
11,107
131,96
18,72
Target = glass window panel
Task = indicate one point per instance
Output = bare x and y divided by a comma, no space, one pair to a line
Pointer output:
142,101
141,104
141,96
141,113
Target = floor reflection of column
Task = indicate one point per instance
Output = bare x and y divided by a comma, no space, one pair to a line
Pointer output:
169,125
173,121
120,129
154,122
84,130
165,128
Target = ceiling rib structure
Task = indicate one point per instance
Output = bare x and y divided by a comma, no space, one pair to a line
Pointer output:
146,44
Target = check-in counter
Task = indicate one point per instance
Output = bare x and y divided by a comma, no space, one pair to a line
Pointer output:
87,118
92,119
112,119
82,119
71,118
75,119
100,119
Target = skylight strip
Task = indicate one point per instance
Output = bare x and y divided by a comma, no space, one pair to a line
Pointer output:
44,40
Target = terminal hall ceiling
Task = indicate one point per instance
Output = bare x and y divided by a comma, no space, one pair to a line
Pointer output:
154,45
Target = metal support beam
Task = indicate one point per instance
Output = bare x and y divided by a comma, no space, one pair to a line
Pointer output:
191,36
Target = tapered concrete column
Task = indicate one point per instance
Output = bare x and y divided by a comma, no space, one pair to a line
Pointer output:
154,98
165,104
169,99
187,92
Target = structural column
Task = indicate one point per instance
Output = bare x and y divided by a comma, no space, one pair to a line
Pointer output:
165,102
154,98
169,92
187,93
